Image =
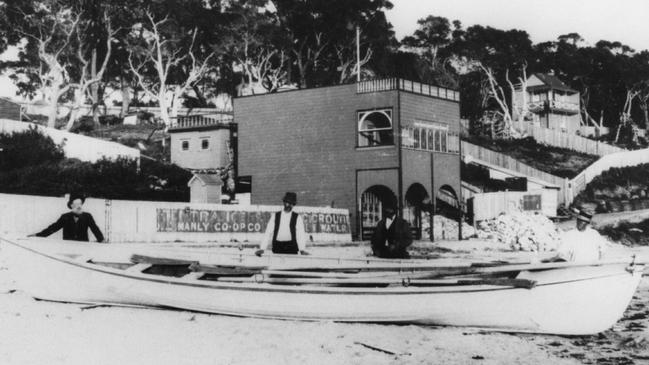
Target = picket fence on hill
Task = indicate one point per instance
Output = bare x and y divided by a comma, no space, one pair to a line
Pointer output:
557,138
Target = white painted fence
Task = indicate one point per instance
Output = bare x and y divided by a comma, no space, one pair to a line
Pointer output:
620,159
558,138
75,145
144,221
491,205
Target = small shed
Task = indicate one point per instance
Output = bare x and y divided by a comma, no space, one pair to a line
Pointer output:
9,109
205,188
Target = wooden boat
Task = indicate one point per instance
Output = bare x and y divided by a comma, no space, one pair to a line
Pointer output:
557,298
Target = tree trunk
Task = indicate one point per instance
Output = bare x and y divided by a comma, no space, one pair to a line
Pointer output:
53,111
200,96
126,98
94,87
164,112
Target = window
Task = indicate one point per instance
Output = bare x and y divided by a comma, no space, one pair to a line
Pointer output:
375,128
430,136
531,202
205,143
185,145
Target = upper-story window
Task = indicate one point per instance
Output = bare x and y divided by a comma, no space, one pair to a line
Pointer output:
375,128
185,145
430,136
205,143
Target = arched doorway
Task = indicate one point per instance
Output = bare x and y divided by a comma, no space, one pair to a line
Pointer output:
373,201
447,202
417,201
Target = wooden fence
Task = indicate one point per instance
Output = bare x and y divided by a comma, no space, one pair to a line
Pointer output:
569,188
619,159
147,221
491,205
508,162
557,138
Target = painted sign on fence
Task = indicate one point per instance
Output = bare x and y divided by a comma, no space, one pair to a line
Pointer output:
219,221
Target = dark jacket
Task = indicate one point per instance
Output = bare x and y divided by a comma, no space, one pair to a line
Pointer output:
74,231
392,243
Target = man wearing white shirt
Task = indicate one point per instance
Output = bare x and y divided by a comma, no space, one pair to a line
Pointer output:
583,244
285,232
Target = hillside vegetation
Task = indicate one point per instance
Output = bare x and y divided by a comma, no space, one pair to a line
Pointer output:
31,163
557,161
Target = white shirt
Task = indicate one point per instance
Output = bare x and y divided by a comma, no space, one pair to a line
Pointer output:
388,222
581,246
284,232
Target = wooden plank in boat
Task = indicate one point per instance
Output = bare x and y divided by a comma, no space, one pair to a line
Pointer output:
138,267
142,259
516,283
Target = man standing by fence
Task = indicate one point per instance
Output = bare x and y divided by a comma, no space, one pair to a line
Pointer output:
75,224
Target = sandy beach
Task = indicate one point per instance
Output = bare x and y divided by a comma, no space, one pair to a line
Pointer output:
39,332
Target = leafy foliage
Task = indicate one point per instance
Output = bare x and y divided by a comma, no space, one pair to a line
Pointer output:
33,164
27,148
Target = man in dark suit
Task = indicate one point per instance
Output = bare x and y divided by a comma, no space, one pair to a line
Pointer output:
75,223
391,236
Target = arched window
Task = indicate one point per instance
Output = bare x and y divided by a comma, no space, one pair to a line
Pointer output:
375,128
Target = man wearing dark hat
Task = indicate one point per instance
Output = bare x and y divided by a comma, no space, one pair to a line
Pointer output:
583,243
75,223
391,236
285,232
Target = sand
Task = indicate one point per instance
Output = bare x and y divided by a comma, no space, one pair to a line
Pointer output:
40,332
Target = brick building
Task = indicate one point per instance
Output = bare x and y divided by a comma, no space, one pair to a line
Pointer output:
9,109
201,143
355,146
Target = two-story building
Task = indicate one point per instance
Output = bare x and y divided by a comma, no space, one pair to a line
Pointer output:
356,146
202,143
549,102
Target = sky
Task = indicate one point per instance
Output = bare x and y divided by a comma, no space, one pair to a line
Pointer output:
626,21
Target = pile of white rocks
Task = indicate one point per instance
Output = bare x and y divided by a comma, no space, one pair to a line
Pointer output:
522,232
447,229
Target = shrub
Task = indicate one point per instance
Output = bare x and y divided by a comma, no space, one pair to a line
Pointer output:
28,148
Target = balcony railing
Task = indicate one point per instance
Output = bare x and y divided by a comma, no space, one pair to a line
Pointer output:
564,106
194,121
370,86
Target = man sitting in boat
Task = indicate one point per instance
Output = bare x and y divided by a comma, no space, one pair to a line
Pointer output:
75,223
583,243
391,236
285,232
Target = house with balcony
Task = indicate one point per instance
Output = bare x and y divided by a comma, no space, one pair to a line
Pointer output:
547,102
356,146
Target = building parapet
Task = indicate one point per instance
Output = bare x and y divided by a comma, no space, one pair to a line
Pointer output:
387,84
201,121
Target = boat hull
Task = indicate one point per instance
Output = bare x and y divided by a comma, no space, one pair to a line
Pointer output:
570,301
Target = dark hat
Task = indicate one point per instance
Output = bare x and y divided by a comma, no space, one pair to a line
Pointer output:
290,198
75,196
584,216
